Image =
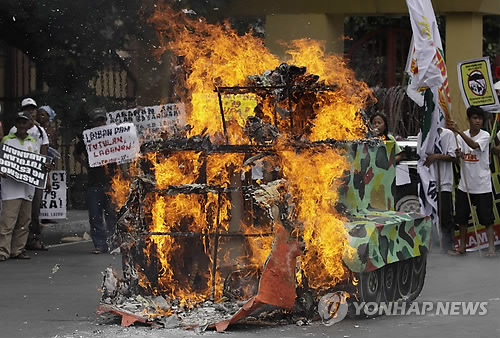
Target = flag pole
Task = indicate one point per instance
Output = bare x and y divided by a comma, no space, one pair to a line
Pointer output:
440,211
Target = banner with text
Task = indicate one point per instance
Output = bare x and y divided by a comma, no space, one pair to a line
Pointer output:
111,144
237,107
476,84
149,121
23,166
54,202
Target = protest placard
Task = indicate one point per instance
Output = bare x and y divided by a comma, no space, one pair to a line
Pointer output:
23,166
54,202
236,107
150,121
111,144
476,84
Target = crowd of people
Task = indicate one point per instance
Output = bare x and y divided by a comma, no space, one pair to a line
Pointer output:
20,225
470,150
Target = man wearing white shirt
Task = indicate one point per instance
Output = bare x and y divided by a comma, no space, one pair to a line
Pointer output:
40,136
445,171
16,197
475,177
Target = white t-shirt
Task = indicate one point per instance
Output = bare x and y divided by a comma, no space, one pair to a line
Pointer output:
38,133
448,146
12,189
476,164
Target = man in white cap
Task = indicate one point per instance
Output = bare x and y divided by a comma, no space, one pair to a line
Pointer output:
39,134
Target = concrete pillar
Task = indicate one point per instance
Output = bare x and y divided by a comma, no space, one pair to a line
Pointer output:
464,41
288,27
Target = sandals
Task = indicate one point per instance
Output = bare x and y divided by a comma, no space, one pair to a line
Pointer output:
491,254
456,252
36,245
3,258
22,255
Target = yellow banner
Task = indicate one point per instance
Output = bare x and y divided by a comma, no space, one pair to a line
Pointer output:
236,106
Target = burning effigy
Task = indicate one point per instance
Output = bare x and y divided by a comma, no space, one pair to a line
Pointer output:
265,200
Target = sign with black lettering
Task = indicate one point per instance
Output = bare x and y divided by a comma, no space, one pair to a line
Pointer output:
111,144
150,121
54,201
23,166
476,84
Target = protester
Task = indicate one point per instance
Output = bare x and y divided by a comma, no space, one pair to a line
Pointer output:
16,197
44,116
378,121
39,134
98,189
475,178
444,170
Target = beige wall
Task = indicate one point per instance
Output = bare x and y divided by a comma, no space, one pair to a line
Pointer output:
464,41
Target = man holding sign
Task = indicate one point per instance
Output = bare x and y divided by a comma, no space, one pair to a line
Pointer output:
99,202
17,192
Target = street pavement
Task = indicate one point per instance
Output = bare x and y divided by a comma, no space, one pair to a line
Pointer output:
56,293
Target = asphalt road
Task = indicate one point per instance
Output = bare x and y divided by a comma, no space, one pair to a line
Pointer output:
55,294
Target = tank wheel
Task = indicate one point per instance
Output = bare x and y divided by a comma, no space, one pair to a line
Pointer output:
409,203
405,277
390,273
371,286
419,270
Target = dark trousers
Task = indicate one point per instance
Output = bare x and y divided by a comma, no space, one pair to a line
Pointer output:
99,205
35,229
446,221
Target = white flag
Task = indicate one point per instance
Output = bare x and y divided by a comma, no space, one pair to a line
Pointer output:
428,87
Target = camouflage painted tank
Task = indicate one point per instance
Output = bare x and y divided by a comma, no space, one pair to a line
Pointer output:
391,246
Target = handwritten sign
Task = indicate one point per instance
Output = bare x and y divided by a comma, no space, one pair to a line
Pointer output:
54,202
149,121
111,144
23,166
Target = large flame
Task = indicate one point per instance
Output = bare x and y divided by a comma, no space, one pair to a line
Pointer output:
313,176
215,56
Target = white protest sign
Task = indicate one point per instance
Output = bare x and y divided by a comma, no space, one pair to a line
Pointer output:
23,166
54,202
149,121
111,144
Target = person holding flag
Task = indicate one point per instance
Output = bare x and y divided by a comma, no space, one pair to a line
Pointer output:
475,177
428,87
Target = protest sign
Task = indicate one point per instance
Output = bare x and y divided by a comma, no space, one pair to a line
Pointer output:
23,166
476,84
149,121
54,202
236,107
111,144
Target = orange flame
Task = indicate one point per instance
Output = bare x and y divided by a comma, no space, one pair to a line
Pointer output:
313,178
215,56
